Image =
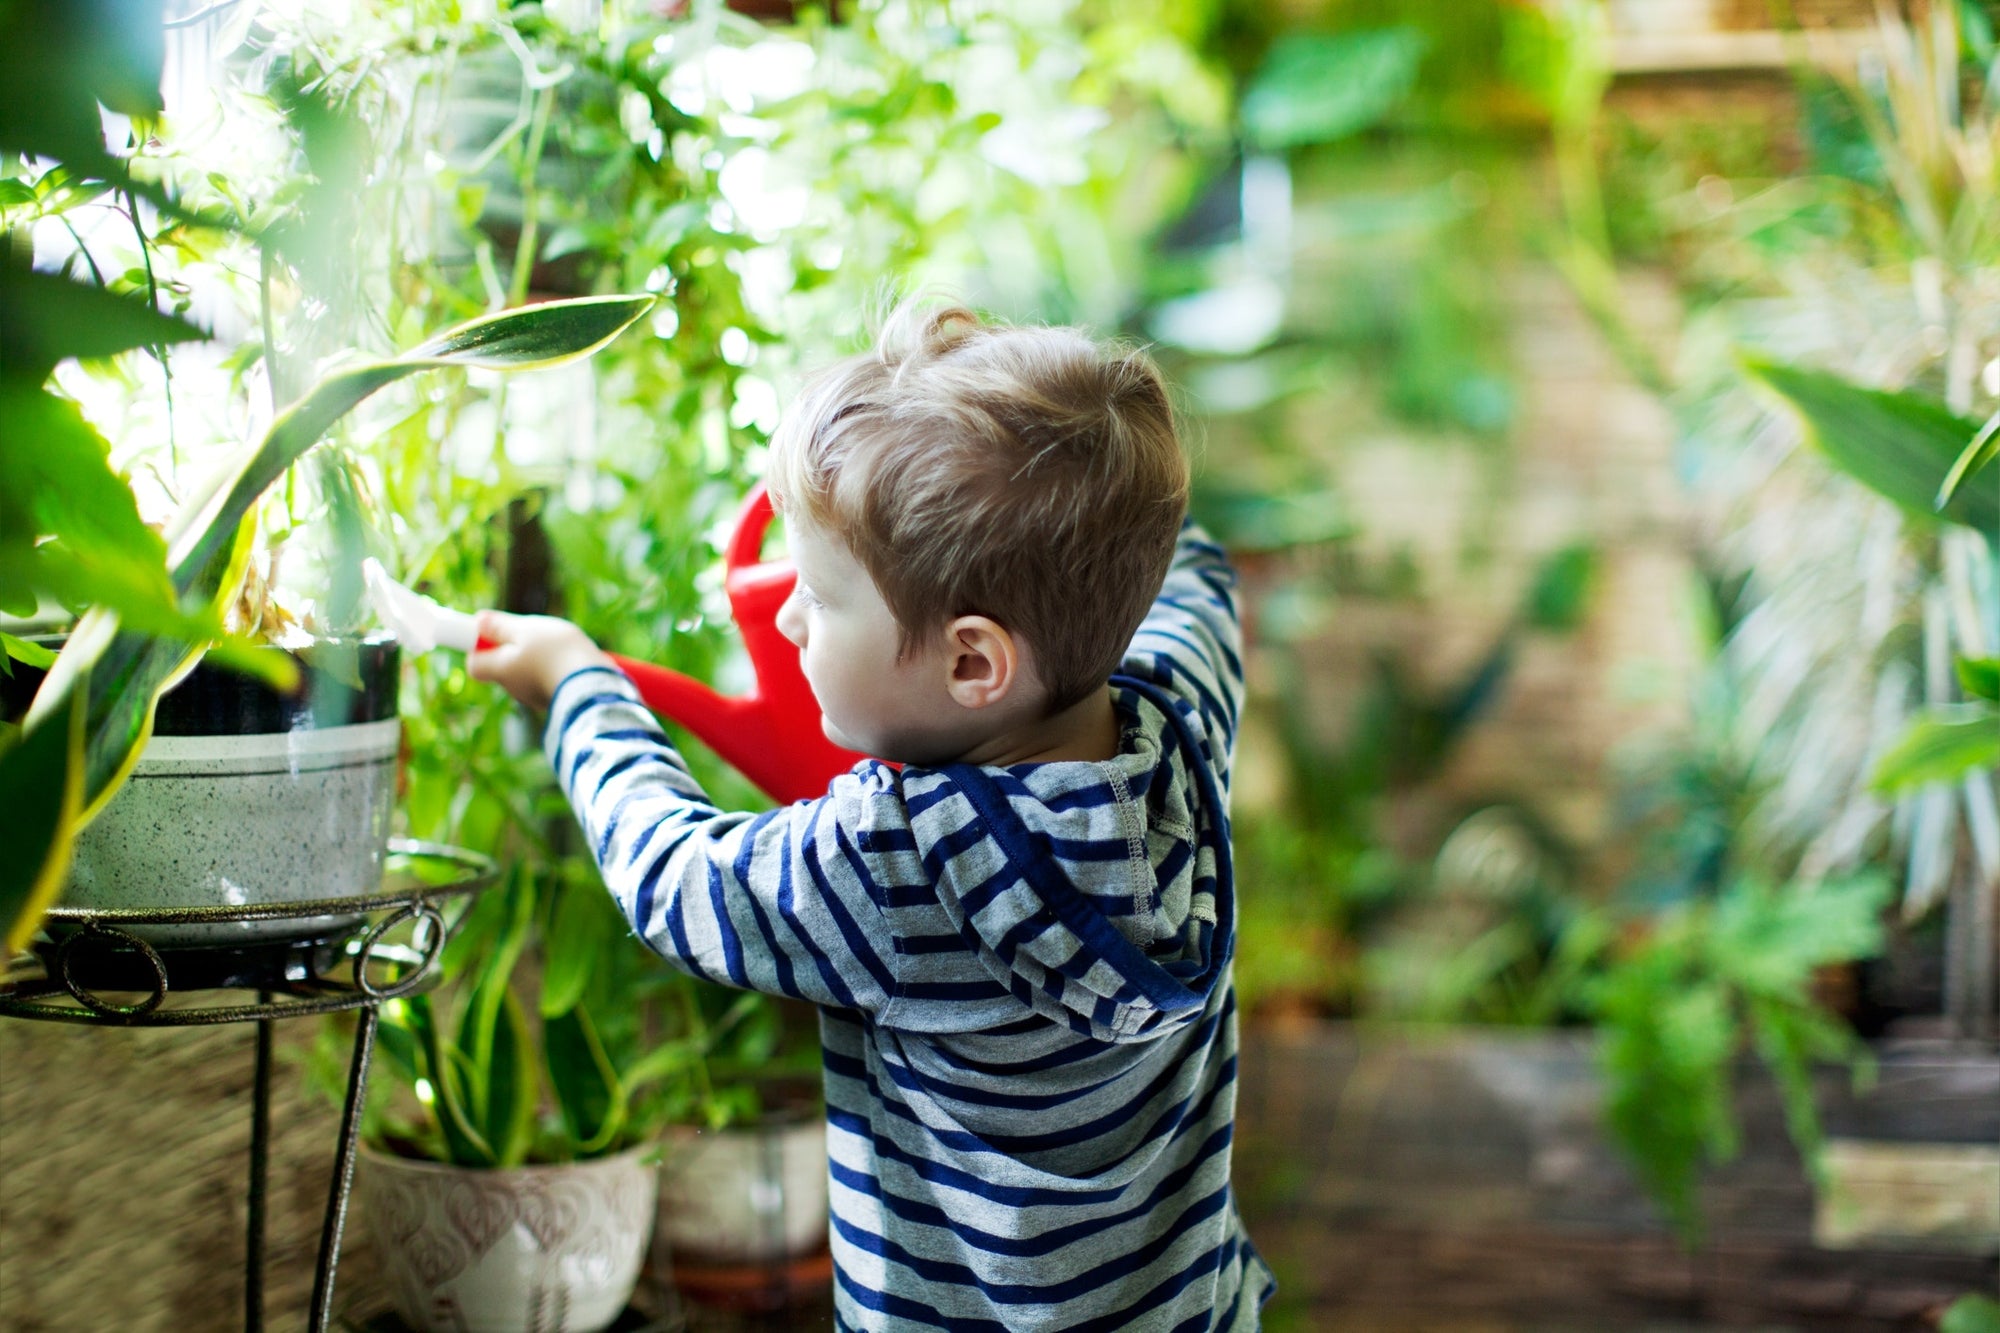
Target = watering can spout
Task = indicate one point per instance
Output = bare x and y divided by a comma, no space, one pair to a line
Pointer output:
772,735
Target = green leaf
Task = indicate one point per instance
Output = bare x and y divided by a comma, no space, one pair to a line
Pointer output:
41,789
260,661
1902,446
494,974
580,927
471,942
587,1089
45,318
512,1087
1980,677
1942,745
55,483
664,1061
56,480
59,59
448,1102
529,338
1981,451
1560,595
1971,1314
1769,941
33,654
547,334
1318,87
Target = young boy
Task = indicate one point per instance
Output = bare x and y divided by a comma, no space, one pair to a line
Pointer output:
1020,940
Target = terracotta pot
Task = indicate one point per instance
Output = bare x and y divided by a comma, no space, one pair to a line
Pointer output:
533,1249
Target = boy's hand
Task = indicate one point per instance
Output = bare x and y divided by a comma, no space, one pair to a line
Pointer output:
528,656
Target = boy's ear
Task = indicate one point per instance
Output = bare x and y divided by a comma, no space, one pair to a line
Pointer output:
983,661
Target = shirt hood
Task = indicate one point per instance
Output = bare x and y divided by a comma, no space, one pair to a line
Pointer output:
1101,896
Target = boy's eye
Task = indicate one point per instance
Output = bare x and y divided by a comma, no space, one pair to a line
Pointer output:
805,596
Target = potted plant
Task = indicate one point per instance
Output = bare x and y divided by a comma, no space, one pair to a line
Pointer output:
744,1188
246,792
91,724
531,1089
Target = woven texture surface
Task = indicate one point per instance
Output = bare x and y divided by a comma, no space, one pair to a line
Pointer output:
124,1173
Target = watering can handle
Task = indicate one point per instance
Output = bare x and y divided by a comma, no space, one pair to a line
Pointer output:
746,543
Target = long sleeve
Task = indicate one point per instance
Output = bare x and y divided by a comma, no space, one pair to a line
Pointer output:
780,902
1191,643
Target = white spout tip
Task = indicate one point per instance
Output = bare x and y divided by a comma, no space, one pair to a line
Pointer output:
406,614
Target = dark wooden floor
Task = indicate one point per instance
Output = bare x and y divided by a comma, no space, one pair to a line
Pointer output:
1458,1183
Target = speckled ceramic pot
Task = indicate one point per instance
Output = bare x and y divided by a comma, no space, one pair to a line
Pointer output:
536,1249
245,795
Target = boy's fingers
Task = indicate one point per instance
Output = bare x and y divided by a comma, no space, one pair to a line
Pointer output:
492,628
494,651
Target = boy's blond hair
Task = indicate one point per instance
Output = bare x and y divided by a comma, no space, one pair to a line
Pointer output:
1027,474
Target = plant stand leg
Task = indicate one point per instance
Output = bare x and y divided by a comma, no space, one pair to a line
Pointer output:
260,1161
343,1170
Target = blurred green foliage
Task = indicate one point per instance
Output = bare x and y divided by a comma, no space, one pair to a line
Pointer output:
1702,982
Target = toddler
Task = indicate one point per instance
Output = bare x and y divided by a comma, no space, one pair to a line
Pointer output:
1019,941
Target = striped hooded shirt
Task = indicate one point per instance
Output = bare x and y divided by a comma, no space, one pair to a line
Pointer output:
1027,1019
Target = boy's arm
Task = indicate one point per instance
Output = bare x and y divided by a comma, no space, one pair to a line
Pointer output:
1191,642
777,902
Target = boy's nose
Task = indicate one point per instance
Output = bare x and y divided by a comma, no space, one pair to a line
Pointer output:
792,622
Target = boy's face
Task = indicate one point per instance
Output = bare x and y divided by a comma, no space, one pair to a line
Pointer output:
869,699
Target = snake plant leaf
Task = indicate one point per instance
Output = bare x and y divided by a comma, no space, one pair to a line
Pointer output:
589,1093
513,1087
448,1100
530,338
1942,745
583,925
1900,445
41,789
494,977
473,939
493,1049
1984,448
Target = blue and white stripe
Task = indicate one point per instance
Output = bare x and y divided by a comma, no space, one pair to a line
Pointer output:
1028,1025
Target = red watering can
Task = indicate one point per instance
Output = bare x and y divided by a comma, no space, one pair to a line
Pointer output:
771,735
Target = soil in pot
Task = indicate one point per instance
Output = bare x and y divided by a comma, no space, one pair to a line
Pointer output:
245,796
532,1249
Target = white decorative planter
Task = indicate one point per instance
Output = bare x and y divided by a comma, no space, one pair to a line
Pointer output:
534,1249
744,1195
244,796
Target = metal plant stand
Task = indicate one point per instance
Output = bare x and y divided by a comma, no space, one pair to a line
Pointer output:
352,964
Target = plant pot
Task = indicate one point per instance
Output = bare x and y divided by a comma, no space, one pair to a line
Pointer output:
532,1249
743,1210
247,796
